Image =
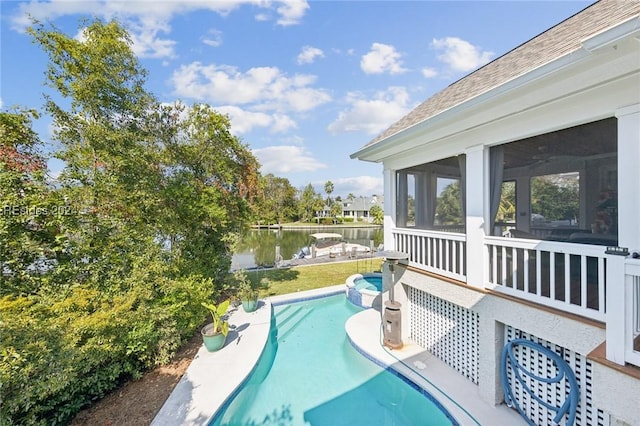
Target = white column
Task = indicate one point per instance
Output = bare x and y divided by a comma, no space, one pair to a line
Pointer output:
628,176
615,304
618,318
477,209
389,207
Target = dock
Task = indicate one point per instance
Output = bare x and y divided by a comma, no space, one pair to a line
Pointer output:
307,261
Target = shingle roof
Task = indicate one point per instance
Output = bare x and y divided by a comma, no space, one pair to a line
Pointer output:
560,40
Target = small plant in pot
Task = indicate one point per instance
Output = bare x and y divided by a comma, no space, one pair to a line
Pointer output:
215,333
246,292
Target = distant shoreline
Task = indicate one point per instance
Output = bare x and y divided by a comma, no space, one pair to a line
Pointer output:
290,226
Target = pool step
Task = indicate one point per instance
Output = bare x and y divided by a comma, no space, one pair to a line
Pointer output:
291,322
286,315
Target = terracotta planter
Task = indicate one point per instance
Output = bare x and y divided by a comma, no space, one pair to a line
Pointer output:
212,341
250,305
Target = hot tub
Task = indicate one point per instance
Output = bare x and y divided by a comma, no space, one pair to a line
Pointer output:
364,289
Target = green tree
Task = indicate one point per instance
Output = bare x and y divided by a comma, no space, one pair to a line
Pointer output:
555,197
30,211
377,214
277,202
336,209
507,207
448,208
328,189
155,195
209,180
108,176
310,203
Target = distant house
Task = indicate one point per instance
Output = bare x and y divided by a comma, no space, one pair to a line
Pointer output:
559,113
358,208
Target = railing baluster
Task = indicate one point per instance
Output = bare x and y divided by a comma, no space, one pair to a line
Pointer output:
455,267
514,267
503,262
538,273
525,272
567,278
494,266
434,251
601,286
552,275
447,258
510,268
583,281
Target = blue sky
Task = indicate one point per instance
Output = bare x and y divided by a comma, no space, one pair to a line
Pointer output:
305,83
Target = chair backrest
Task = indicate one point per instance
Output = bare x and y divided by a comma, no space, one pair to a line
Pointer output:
523,377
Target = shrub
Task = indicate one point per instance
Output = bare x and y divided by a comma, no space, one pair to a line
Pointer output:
57,357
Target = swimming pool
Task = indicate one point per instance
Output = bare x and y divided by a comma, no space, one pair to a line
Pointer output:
310,374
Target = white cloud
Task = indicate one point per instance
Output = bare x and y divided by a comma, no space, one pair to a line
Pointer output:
372,115
309,55
267,88
0,102
286,159
147,42
146,19
282,123
382,58
359,185
213,38
460,55
428,72
291,11
243,121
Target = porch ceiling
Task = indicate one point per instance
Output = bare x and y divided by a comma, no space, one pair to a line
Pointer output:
595,139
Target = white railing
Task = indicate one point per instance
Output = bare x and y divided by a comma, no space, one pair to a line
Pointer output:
566,276
632,297
443,253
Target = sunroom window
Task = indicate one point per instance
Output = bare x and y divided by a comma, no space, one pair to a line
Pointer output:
430,196
566,185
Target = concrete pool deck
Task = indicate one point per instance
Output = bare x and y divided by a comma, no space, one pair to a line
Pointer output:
428,372
213,377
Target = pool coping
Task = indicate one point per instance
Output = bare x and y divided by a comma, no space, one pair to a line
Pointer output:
213,378
418,366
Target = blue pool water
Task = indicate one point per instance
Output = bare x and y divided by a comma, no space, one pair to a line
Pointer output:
369,282
309,374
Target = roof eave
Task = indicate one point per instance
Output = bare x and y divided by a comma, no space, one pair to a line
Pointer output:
380,150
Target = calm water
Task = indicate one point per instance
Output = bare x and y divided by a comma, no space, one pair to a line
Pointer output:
258,247
309,374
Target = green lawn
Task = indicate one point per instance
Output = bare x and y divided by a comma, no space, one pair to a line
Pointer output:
300,278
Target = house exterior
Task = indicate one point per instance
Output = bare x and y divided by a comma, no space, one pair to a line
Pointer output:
538,153
358,208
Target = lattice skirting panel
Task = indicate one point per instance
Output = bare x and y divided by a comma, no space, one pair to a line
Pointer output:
447,330
540,365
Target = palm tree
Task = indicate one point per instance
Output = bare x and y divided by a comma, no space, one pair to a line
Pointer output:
328,188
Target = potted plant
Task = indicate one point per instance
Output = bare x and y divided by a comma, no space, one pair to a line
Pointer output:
215,333
246,292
